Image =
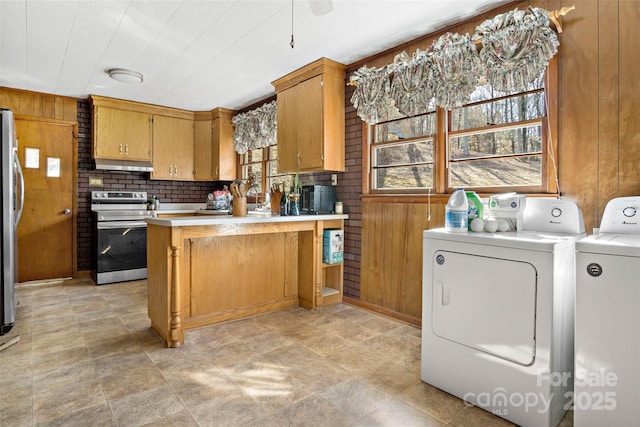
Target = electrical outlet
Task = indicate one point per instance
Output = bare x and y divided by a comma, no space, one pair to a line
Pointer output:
334,179
95,181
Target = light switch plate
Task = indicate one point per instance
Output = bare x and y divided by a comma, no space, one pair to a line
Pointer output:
334,179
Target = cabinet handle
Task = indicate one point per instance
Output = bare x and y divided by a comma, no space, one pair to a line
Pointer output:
120,149
216,171
170,169
126,149
298,158
175,170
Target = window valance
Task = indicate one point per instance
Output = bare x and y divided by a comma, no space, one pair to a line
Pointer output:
256,128
509,51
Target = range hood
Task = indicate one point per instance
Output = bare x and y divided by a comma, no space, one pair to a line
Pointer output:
124,165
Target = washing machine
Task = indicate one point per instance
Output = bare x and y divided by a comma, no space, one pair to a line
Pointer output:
497,314
607,343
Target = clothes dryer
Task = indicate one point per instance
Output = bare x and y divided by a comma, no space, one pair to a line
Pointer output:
607,346
497,325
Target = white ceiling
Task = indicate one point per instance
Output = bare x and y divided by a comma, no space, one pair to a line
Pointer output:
199,55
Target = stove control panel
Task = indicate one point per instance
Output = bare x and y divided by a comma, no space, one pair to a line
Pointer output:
118,197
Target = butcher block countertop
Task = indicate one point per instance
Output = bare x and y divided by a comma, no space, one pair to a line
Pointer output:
205,269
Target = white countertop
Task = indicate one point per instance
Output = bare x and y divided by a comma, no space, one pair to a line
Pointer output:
203,219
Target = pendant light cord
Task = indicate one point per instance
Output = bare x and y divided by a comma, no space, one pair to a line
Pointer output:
291,43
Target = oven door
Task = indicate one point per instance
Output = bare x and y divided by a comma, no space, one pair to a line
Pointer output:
122,251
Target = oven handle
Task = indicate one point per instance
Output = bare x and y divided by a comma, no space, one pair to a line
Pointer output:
110,225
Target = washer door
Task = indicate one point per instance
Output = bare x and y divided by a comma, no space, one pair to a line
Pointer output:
485,303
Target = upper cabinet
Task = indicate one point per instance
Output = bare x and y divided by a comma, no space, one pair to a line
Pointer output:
215,156
311,118
120,130
202,163
224,155
173,148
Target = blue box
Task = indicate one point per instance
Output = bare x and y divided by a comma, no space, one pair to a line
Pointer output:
333,246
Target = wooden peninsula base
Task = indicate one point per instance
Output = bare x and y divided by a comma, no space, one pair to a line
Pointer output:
209,269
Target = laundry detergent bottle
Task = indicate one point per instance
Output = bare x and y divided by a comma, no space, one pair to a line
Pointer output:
456,213
475,206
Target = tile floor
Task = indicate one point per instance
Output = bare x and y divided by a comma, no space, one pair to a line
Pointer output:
87,357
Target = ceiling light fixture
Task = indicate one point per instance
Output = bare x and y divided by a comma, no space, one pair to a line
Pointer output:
125,76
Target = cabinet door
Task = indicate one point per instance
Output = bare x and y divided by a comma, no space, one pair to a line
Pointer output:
309,123
182,149
121,134
287,140
224,156
162,147
202,151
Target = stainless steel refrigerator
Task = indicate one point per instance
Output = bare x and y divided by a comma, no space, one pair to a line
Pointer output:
12,203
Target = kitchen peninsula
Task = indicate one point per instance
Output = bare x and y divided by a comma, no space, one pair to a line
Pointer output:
209,269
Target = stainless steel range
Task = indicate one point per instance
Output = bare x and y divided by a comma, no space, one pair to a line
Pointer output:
122,235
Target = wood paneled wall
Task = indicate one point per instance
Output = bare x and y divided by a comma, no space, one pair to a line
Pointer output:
599,144
599,104
41,105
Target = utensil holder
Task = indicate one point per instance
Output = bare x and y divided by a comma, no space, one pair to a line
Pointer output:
239,206
275,202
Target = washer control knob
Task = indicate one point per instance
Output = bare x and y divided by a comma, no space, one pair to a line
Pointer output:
629,211
556,212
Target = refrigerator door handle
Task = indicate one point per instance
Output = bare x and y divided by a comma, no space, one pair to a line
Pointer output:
16,161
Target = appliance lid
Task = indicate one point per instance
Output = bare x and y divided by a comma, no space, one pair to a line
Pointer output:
124,165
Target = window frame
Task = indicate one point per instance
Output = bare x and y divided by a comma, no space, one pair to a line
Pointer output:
266,179
549,151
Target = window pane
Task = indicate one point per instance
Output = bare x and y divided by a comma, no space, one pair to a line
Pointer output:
496,172
403,177
255,155
402,154
500,143
273,152
509,110
253,169
410,127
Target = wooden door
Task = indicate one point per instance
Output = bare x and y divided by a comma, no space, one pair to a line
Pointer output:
162,147
203,151
308,121
182,149
46,231
224,156
287,141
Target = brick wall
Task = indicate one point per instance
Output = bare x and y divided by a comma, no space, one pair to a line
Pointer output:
167,191
348,191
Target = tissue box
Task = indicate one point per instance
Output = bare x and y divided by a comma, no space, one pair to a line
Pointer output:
508,206
332,246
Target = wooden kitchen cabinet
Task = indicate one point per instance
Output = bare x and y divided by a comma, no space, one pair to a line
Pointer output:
120,130
224,156
173,148
215,156
202,148
311,118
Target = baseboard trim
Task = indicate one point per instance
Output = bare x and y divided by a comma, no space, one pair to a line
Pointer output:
411,320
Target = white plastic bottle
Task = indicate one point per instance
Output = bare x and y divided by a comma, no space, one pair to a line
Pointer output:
457,212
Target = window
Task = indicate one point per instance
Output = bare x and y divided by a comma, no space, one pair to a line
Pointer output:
497,142
255,162
402,153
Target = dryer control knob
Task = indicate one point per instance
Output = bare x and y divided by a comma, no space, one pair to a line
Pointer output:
629,211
